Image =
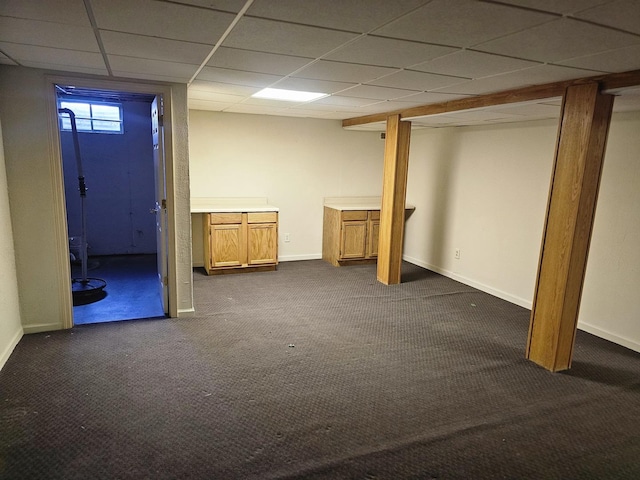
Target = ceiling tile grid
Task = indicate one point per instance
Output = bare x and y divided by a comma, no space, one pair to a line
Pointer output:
369,56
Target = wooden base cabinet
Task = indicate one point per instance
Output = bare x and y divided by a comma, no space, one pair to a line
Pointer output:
240,242
350,236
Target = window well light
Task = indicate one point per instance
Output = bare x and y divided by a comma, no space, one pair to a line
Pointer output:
288,95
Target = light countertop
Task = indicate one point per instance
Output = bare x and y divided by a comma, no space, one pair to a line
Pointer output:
230,205
360,206
233,209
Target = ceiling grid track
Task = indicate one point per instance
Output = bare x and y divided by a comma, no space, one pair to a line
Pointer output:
96,31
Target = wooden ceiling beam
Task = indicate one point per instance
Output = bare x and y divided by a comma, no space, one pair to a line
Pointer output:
525,94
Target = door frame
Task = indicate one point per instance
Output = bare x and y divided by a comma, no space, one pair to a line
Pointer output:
59,204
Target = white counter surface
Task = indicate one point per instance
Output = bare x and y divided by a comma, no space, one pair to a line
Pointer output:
231,205
234,209
360,206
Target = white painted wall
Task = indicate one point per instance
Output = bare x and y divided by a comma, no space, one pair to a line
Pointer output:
294,162
10,326
30,178
484,190
610,306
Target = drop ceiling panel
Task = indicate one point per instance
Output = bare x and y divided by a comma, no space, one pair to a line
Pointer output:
307,85
226,88
559,40
470,64
424,98
237,77
378,93
528,76
6,60
285,38
347,102
139,46
343,72
320,107
75,69
619,60
47,34
28,55
256,110
59,11
267,102
562,7
388,52
151,69
196,104
258,62
161,19
462,23
334,115
215,96
621,14
233,6
352,15
417,80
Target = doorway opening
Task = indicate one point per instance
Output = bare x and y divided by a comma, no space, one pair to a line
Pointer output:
120,158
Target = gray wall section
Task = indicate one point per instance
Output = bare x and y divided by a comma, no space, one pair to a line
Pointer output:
120,181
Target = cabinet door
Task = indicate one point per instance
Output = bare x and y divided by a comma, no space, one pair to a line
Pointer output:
262,243
372,240
353,240
226,245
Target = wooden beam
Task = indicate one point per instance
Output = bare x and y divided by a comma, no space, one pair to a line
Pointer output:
582,135
394,189
526,94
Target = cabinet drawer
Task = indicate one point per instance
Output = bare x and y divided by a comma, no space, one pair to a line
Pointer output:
222,218
375,215
262,217
348,215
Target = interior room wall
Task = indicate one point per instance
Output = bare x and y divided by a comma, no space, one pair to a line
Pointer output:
483,190
10,325
24,98
294,162
120,182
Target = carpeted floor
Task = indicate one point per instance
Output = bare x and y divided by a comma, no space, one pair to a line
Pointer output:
317,372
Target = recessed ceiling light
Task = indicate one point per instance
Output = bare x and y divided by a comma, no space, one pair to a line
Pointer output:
288,95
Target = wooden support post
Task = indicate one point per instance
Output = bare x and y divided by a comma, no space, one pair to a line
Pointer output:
394,189
582,137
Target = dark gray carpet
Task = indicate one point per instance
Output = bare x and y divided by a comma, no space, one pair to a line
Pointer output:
317,372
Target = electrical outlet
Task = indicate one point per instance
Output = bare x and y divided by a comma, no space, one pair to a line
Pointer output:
457,254
287,238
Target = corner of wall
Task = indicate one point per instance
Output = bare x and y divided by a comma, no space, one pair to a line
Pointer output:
10,346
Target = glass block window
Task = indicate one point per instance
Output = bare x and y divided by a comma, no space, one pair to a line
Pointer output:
93,117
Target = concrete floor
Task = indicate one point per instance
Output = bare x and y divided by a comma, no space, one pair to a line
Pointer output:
132,290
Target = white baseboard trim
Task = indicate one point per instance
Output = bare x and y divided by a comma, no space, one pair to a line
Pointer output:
472,283
598,332
612,337
8,350
42,327
295,258
187,312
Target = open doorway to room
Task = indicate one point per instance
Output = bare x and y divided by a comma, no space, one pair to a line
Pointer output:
116,218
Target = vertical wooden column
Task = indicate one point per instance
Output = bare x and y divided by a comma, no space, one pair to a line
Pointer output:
394,189
582,136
